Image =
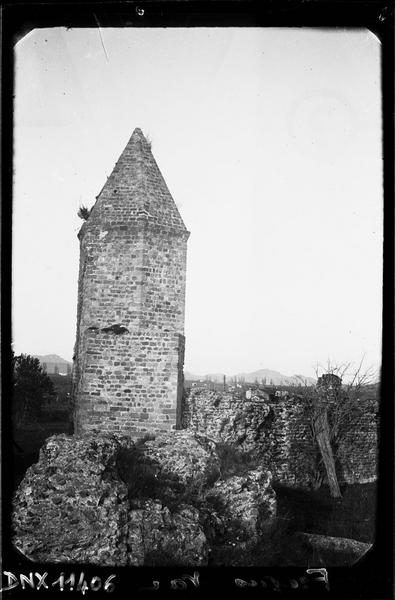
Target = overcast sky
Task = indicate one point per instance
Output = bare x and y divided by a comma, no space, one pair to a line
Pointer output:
270,143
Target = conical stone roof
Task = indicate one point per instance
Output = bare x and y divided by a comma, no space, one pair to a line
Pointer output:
135,193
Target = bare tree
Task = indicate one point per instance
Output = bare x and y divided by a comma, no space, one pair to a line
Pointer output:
331,403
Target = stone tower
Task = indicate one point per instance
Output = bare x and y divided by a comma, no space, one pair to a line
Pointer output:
129,352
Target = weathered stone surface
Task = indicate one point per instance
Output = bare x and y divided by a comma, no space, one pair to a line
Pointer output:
78,505
71,506
333,551
158,536
248,501
358,443
227,417
279,433
185,458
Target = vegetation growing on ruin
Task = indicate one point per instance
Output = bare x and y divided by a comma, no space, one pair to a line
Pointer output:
84,213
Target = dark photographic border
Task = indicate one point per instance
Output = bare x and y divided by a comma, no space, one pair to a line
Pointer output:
372,576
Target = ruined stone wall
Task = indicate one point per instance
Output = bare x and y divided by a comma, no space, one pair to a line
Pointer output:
292,451
227,417
130,322
357,450
279,432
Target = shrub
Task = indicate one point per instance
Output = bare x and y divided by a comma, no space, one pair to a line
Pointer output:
31,386
84,213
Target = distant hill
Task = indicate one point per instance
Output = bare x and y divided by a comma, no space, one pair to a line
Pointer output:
212,376
274,377
191,377
52,363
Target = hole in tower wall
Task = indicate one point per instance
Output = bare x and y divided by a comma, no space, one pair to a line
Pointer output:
116,329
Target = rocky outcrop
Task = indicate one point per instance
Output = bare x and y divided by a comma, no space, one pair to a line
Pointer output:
186,456
248,502
102,499
333,551
162,537
71,505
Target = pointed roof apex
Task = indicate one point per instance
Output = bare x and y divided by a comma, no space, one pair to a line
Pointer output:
138,132
136,192
136,137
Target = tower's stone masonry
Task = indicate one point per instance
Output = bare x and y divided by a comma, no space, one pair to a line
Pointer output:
128,369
